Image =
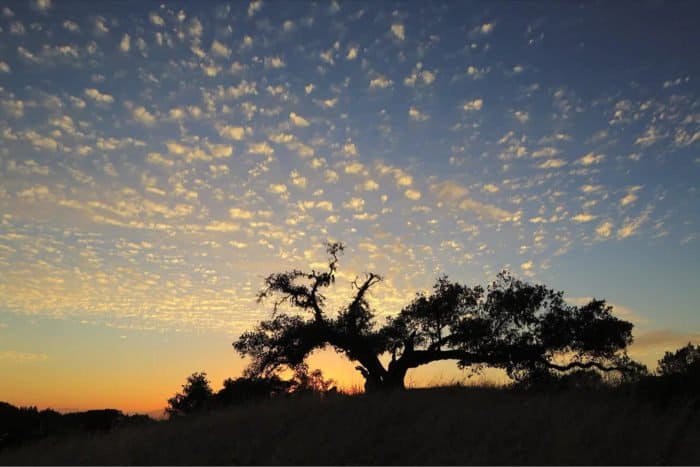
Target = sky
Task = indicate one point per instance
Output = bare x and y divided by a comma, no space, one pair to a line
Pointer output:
157,161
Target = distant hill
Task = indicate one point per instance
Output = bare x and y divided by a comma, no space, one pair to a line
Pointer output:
433,426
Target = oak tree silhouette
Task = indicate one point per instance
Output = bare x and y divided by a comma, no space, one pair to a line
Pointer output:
526,329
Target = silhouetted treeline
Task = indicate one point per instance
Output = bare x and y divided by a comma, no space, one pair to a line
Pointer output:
198,396
21,424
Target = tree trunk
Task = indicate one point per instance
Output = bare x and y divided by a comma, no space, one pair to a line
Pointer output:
391,380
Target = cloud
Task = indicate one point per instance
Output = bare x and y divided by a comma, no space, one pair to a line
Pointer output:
416,115
277,188
220,150
552,164
398,31
380,82
477,73
476,104
17,356
354,204
99,97
125,44
521,116
71,26
354,168
583,217
298,179
412,194
486,28
632,225
604,230
298,120
237,213
42,5
156,20
157,159
4,67
236,133
261,148
144,116
220,50
631,196
352,53
274,62
457,195
254,7
590,159
650,136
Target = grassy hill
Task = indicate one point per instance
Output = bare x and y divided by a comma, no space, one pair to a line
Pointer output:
430,426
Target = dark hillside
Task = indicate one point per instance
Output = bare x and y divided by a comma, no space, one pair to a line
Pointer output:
434,426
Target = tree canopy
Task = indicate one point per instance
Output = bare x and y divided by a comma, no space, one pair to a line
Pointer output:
526,329
195,396
683,361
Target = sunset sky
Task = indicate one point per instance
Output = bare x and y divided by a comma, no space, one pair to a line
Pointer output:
158,160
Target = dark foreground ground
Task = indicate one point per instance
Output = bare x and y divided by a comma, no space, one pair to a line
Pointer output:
435,426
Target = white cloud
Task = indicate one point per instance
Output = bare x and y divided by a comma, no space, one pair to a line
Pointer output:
398,31
4,67
298,120
219,49
354,168
157,159
125,44
298,179
236,133
274,62
455,194
261,148
590,159
42,5
254,7
144,116
631,196
238,213
354,204
71,26
521,116
552,164
380,82
412,194
97,96
583,217
486,28
352,53
631,226
277,188
476,104
416,115
155,19
604,230
650,136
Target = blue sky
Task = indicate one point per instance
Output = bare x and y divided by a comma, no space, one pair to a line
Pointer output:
157,160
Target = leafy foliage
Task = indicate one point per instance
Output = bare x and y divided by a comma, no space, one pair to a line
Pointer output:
683,361
526,329
195,396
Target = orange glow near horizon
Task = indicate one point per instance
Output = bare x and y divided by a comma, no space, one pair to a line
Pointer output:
140,392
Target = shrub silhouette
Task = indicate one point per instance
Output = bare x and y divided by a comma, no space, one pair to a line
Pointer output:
526,329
